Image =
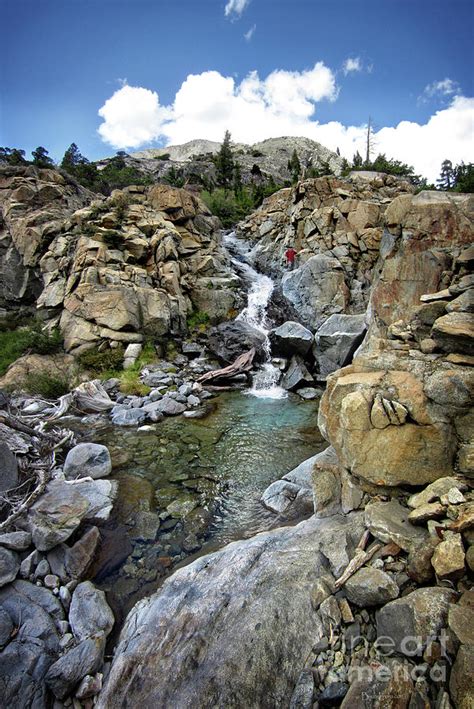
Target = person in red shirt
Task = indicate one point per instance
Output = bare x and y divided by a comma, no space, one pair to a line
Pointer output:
290,254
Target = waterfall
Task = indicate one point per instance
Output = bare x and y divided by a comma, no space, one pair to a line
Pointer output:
265,381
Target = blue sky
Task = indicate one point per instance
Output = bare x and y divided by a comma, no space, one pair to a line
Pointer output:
164,72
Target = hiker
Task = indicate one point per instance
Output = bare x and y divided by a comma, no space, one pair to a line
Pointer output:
290,254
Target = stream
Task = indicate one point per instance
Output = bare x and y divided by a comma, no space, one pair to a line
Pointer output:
189,486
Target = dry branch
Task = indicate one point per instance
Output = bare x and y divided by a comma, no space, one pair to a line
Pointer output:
242,364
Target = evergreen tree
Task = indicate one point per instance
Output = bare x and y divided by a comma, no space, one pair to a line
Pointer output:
447,176
464,177
237,180
294,166
13,156
41,158
357,161
72,158
225,163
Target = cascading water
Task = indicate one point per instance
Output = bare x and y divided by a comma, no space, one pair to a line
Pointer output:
265,381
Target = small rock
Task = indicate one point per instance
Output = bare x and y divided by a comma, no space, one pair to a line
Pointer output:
330,613
17,541
453,497
193,400
434,491
87,460
90,686
89,612
51,581
448,557
86,658
346,612
370,587
29,564
42,569
419,566
470,558
79,557
432,510
128,417
389,522
333,694
302,697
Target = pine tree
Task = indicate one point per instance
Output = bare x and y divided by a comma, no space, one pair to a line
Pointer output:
237,180
225,163
41,158
72,158
447,176
357,161
13,156
294,166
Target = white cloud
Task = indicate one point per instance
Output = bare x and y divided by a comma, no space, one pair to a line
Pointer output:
282,104
250,33
445,88
132,116
352,64
235,7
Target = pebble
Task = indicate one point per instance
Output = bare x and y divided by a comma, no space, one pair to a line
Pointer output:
51,581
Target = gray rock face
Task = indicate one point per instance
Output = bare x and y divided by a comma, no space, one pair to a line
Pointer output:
336,341
371,587
8,469
89,613
316,290
87,460
191,615
291,338
9,566
231,339
58,513
296,374
409,621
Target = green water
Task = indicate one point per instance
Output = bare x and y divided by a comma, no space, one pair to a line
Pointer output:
212,471
225,460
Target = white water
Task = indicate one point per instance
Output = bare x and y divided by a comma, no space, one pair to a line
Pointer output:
265,381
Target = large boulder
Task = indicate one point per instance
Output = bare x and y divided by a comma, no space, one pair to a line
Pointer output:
297,374
291,338
231,339
277,629
59,511
379,442
317,289
336,341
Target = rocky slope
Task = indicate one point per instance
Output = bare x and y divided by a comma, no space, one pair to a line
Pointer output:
194,159
33,205
117,270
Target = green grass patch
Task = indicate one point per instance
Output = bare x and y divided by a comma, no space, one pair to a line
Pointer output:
29,339
46,385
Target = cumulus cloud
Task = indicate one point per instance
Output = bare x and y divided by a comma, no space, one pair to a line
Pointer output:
282,104
132,116
352,64
250,33
235,8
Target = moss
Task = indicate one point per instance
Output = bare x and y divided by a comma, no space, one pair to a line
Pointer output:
197,319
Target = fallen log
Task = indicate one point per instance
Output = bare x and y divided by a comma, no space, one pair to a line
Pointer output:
241,365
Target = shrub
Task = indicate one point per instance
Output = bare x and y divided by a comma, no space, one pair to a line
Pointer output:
197,319
30,339
47,385
100,362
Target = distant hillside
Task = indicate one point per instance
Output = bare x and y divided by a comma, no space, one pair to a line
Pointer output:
193,162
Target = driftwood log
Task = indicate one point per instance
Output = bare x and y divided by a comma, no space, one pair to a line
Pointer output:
241,365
